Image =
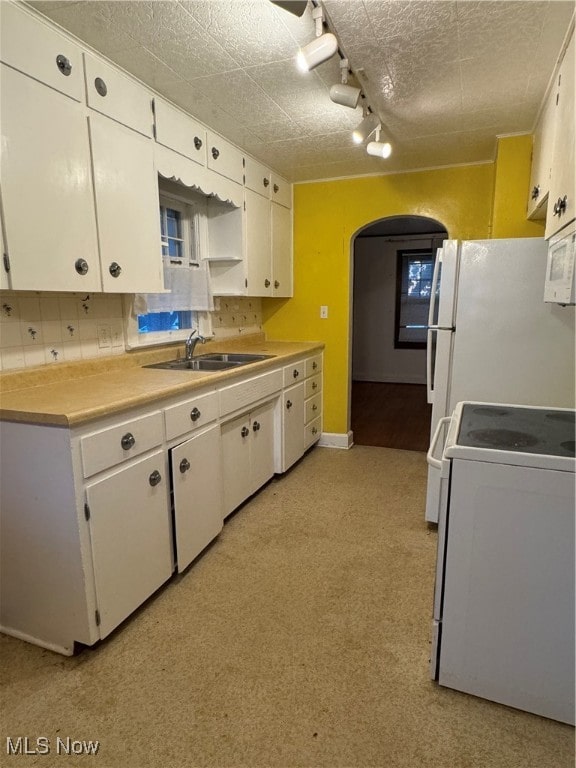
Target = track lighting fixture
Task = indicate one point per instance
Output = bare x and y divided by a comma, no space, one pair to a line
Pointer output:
342,93
366,127
319,50
379,148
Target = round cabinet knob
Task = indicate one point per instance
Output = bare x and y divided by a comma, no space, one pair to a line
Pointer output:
245,432
256,426
155,478
128,441
276,188
266,181
215,153
100,86
266,283
81,266
288,404
314,430
197,142
184,466
295,373
314,365
195,414
63,64
115,269
314,407
314,385
535,192
276,284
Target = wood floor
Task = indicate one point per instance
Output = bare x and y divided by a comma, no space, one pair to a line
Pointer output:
391,415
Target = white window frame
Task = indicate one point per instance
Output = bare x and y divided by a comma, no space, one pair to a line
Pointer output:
194,222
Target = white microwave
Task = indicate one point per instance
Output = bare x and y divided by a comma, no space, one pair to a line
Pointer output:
560,272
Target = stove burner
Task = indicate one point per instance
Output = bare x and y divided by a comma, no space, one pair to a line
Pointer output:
487,410
570,446
559,416
503,438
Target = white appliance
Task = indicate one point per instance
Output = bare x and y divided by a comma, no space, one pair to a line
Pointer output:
491,337
503,624
559,285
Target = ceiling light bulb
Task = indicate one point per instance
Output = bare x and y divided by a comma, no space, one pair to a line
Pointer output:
316,52
366,127
379,149
346,95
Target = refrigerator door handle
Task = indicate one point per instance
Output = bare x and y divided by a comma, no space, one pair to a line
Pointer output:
434,287
436,463
429,384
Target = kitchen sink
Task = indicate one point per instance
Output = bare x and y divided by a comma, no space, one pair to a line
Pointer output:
210,362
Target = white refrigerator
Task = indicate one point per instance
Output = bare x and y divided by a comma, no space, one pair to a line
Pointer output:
491,337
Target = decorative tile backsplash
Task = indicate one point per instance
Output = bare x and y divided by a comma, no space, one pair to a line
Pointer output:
43,328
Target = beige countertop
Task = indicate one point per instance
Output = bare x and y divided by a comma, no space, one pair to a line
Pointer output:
69,394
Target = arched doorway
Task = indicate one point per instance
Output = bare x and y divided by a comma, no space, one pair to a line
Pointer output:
392,272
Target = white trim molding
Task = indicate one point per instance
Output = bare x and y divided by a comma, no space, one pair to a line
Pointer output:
336,440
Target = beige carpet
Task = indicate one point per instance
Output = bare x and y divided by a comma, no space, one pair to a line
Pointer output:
299,639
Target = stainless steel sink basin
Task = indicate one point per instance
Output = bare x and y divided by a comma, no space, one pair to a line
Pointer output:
210,362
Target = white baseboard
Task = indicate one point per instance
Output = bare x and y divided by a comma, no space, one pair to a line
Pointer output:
336,440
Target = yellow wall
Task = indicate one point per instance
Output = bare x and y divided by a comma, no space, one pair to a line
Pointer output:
327,215
478,201
511,185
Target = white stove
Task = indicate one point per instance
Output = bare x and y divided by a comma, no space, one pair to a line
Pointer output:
503,625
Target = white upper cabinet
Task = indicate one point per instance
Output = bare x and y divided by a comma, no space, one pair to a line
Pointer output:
256,177
46,188
39,51
561,201
281,245
224,158
257,244
542,148
113,94
280,190
178,131
126,190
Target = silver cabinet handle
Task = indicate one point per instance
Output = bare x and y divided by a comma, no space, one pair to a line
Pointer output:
195,414
245,432
535,192
81,266
266,283
276,187
215,153
128,441
184,465
256,426
265,181
197,142
115,269
63,64
101,87
289,404
314,430
314,407
295,373
314,385
314,365
276,284
155,478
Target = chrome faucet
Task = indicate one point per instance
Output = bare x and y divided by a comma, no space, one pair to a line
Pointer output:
191,342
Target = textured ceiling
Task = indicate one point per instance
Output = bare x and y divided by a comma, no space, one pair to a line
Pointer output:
445,76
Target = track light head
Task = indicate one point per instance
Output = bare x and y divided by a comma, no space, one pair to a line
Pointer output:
346,95
379,149
366,127
317,51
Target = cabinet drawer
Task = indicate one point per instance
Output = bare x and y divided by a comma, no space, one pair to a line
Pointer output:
111,93
312,432
313,365
247,392
280,190
257,177
294,372
111,446
312,408
313,386
176,130
224,158
190,415
31,47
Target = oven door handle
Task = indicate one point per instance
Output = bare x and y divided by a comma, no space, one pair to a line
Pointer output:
437,463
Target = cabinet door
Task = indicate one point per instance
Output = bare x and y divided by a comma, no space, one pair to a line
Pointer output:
178,131
131,537
236,436
257,244
281,190
198,500
4,280
542,147
281,250
262,447
256,177
46,189
127,208
563,180
224,158
292,425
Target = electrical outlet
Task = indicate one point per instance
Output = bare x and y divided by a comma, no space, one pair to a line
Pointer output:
104,336
323,312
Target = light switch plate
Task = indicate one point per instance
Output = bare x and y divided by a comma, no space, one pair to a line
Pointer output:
323,312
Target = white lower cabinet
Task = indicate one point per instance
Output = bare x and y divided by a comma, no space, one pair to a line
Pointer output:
196,469
247,454
292,421
131,537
